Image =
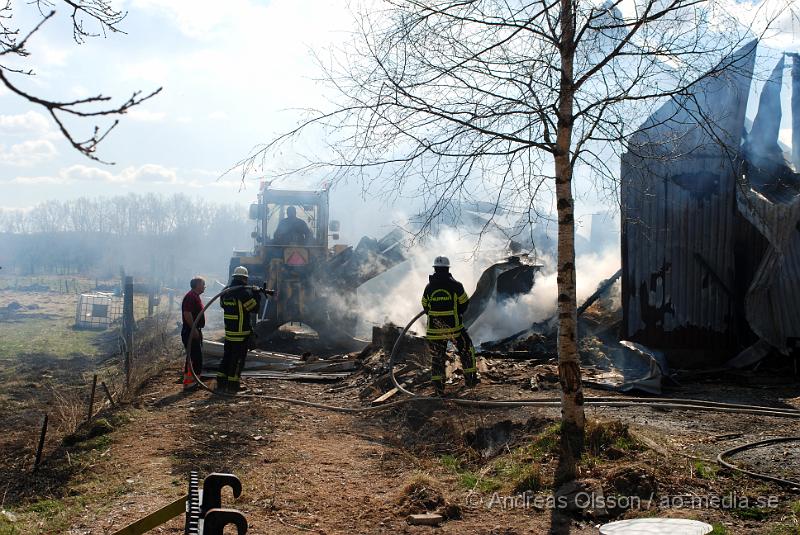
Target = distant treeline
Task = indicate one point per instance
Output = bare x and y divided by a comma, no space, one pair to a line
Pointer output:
170,236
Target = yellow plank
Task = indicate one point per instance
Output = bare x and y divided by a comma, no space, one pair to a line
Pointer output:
155,519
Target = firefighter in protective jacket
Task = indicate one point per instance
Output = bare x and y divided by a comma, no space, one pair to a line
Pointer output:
237,305
445,301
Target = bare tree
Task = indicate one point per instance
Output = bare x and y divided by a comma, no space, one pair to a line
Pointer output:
84,15
504,100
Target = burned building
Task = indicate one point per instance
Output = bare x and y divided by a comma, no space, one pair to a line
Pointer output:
710,236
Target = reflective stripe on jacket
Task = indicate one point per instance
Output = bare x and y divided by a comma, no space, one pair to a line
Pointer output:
444,301
237,306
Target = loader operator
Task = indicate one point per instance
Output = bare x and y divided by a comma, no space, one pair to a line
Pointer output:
445,301
292,229
237,305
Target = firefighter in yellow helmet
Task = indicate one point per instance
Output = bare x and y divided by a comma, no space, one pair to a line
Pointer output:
445,301
237,306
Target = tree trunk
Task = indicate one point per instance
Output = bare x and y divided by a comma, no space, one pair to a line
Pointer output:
569,371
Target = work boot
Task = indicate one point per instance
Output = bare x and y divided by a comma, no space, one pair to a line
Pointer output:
235,387
222,385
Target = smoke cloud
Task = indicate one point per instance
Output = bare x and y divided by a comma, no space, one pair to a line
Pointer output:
395,295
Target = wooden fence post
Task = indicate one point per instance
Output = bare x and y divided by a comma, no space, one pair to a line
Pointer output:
108,394
41,444
151,286
127,327
91,398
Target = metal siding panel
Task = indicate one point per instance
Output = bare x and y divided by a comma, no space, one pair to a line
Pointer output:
674,224
704,224
700,305
641,248
725,259
705,227
712,244
792,287
679,217
629,209
772,298
671,232
680,266
787,289
692,288
656,260
724,256
623,248
671,282
710,241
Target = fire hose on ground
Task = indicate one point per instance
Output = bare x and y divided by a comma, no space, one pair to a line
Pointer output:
751,445
598,401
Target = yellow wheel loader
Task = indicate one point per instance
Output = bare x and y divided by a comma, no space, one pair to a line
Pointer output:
315,282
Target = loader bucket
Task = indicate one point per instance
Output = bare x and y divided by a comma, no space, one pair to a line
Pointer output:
499,282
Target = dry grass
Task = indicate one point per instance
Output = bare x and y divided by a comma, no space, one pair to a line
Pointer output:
420,494
47,366
154,348
529,479
68,408
608,438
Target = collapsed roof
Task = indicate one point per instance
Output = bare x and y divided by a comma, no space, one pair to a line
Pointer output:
710,234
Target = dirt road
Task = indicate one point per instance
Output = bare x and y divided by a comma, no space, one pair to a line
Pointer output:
306,470
303,470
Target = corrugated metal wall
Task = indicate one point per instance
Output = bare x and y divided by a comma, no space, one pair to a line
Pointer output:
678,263
679,218
709,264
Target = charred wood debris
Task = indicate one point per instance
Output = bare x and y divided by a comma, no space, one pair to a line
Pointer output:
527,359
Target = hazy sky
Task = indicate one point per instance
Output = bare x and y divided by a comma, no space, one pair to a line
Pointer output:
233,73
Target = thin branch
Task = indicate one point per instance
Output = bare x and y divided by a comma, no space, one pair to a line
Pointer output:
107,18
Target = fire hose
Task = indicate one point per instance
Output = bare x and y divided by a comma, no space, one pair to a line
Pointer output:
292,401
597,401
751,445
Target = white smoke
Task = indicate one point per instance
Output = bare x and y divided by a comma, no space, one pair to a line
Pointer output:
395,295
513,315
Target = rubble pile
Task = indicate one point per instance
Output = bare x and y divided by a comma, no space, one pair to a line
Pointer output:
411,366
527,360
274,365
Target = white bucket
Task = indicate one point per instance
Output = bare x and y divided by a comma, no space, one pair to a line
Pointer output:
656,526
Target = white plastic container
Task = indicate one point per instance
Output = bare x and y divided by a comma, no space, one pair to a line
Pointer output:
656,526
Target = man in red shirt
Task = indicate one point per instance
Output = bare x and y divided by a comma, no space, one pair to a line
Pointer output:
192,307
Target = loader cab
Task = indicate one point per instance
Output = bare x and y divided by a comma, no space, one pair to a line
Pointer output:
272,216
279,218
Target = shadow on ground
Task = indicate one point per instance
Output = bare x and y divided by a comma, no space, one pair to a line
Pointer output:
222,434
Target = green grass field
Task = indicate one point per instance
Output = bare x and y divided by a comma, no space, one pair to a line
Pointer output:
46,366
45,323
54,283
42,331
44,334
